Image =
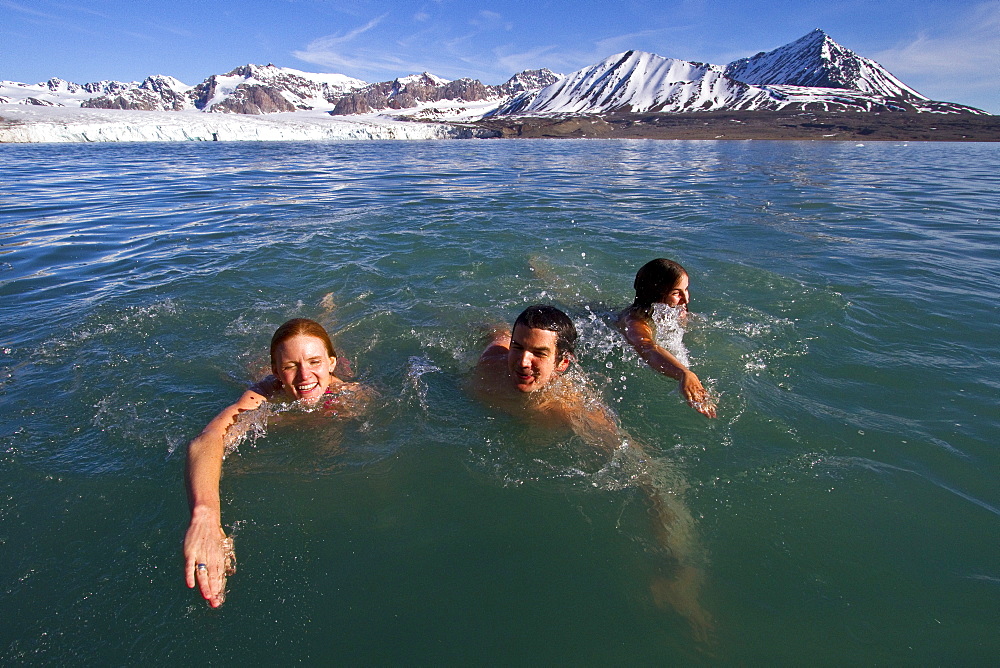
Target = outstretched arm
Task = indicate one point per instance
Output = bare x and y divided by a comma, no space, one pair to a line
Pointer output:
639,333
205,542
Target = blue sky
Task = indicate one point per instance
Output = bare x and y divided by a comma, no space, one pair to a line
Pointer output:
946,49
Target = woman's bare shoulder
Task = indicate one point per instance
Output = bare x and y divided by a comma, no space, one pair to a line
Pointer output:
267,387
632,316
352,387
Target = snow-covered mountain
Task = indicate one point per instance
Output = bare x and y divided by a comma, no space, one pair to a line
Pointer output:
155,93
813,73
256,89
250,89
636,81
59,93
817,61
253,89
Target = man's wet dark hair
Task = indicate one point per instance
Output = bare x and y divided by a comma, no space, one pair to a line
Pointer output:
653,280
543,316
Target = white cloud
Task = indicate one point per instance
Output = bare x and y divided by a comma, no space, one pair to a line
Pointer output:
566,61
962,56
28,10
82,10
328,51
527,60
489,20
970,43
619,43
398,49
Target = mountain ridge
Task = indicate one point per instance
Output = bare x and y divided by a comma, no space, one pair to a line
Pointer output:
815,60
786,78
812,73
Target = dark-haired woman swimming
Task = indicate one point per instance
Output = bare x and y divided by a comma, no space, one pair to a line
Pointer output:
663,281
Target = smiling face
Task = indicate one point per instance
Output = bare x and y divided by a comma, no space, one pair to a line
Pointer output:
304,367
677,295
533,359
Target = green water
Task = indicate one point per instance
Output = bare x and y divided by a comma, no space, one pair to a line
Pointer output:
844,501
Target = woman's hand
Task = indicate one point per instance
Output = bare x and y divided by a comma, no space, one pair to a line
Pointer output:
208,559
208,553
696,395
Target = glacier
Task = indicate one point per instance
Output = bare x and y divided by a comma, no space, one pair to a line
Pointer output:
31,123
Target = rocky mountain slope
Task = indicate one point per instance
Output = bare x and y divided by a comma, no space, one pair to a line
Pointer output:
412,91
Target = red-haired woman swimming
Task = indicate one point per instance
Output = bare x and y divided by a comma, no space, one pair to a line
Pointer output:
303,361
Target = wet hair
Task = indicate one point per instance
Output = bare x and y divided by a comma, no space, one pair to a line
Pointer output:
542,316
653,280
301,327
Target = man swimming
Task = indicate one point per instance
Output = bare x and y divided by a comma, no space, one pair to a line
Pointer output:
523,371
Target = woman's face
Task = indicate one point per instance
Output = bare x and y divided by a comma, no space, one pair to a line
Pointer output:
304,367
677,295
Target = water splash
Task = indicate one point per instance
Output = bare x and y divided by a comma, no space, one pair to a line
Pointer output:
249,426
669,323
416,367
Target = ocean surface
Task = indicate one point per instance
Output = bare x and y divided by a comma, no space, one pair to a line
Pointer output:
844,506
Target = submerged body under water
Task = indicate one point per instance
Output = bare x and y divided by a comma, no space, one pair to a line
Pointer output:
841,508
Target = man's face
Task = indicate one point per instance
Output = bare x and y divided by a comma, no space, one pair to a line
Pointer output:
533,360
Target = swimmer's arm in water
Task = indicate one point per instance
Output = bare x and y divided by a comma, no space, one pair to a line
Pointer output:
679,585
203,543
595,425
351,400
492,364
639,333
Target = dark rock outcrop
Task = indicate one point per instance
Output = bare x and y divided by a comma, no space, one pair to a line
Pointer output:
409,92
351,104
254,99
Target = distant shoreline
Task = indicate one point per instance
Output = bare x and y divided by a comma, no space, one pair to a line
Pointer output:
27,124
764,125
